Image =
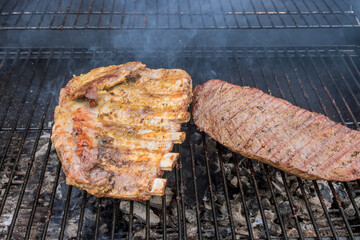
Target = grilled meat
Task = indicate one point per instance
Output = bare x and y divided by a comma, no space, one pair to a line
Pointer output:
115,127
273,131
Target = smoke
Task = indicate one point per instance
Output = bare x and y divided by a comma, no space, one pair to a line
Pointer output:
173,34
174,24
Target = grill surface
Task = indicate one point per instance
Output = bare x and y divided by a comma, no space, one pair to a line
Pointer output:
36,202
79,14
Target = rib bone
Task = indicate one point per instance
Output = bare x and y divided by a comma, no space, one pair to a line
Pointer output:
168,161
158,187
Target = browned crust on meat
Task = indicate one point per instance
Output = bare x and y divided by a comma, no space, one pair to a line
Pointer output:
273,131
116,144
87,85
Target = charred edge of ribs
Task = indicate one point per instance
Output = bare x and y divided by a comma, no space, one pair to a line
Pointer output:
121,73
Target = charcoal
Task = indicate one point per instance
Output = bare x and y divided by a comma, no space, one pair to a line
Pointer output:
191,215
342,194
293,233
349,210
266,203
270,216
325,191
208,216
72,227
234,182
104,228
61,190
156,201
284,208
140,235
192,231
140,212
236,209
257,220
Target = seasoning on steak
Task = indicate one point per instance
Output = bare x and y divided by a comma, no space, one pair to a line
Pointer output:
115,127
273,131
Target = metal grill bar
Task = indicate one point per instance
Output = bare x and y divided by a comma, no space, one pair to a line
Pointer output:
111,14
331,225
47,220
340,93
78,12
259,200
309,77
66,211
10,74
89,14
321,103
4,58
164,217
41,179
6,112
317,21
3,200
194,177
55,13
330,184
292,206
114,217
352,199
84,193
131,220
97,218
341,211
227,196
298,179
16,86
356,69
148,220
252,15
22,12
36,143
311,83
249,227
178,200
326,90
42,16
251,11
182,188
211,189
276,204
306,97
81,217
316,228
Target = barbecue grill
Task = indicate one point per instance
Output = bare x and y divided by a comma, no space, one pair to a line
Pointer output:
304,51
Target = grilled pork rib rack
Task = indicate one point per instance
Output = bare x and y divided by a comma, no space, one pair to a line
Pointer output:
115,128
273,131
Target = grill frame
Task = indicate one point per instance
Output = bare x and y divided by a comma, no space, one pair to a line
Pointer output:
75,56
252,14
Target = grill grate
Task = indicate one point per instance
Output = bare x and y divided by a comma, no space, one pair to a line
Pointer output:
79,14
217,194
